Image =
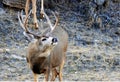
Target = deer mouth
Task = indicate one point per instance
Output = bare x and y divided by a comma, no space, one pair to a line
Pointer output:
54,43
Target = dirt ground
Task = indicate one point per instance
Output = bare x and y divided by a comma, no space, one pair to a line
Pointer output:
93,53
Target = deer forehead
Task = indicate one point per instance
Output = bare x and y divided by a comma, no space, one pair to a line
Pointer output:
34,41
47,39
47,42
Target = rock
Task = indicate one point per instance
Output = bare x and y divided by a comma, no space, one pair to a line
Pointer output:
1,11
116,62
75,58
15,3
21,3
98,57
99,2
116,1
4,50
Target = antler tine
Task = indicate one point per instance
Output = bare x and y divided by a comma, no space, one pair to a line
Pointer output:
57,19
22,23
27,19
21,20
48,20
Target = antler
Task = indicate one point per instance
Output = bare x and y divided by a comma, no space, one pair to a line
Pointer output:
49,22
56,17
24,26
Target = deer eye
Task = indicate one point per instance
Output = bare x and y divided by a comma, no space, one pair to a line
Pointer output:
44,39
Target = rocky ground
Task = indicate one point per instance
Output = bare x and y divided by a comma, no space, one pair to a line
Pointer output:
93,53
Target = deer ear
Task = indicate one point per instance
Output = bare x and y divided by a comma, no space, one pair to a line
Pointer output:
30,37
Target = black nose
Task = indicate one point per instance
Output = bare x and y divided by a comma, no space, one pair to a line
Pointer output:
54,40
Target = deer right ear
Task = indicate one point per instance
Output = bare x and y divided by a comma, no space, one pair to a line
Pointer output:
30,37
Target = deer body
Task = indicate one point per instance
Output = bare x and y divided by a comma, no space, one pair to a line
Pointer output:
40,60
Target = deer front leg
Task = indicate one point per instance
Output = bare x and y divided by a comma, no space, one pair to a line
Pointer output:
54,74
47,74
35,77
60,70
34,13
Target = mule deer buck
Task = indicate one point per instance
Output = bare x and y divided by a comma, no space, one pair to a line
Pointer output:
47,51
34,7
